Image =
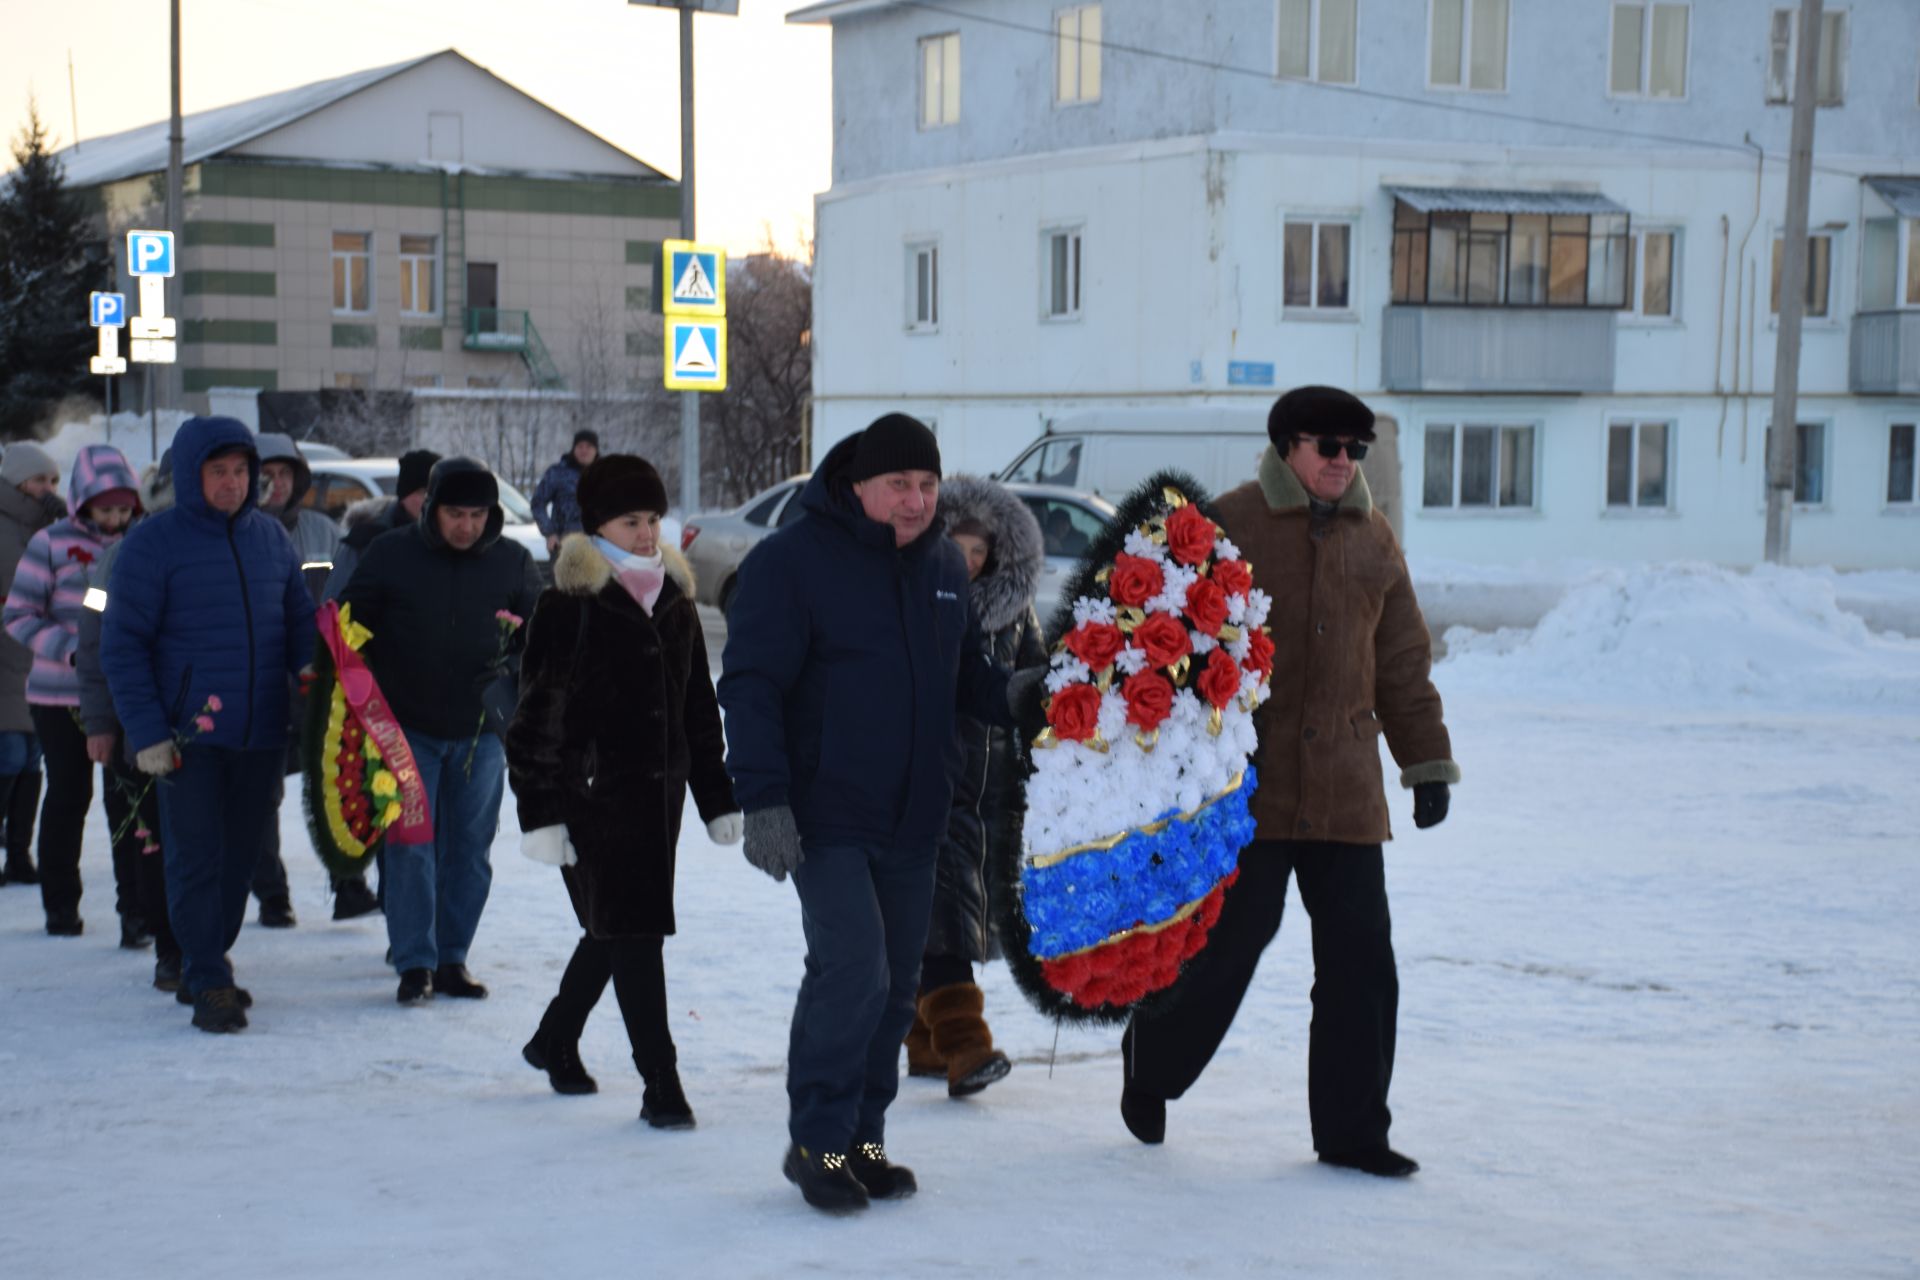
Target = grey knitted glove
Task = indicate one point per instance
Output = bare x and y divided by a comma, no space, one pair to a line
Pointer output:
773,841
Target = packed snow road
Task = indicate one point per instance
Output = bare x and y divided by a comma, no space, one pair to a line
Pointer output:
1660,1007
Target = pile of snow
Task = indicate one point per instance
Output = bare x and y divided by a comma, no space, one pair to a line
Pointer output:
1695,634
133,434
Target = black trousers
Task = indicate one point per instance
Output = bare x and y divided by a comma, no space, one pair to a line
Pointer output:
1356,991
63,817
639,977
142,853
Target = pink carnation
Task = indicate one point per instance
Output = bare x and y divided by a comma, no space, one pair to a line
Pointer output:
203,723
214,703
507,616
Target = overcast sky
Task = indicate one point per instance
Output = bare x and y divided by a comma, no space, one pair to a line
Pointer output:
764,115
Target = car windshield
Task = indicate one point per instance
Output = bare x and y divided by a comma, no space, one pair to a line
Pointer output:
519,510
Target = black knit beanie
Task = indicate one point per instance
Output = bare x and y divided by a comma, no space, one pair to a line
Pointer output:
894,442
616,484
414,469
462,482
1318,411
586,435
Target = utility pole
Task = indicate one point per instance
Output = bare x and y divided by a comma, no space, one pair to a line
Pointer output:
1782,445
689,400
176,216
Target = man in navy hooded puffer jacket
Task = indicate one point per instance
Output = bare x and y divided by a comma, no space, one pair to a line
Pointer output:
207,617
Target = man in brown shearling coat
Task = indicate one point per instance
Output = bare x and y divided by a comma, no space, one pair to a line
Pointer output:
1351,662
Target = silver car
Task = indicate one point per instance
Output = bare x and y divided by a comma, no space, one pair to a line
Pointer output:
338,483
716,544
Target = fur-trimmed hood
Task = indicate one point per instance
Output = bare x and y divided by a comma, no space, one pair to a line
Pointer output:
1004,591
581,570
368,511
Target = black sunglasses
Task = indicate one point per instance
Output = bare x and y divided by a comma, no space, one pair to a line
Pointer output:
1330,448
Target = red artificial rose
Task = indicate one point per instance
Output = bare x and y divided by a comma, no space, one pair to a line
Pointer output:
1074,712
1190,535
1134,580
1149,698
1233,576
1207,607
1220,679
1259,653
1163,638
1096,643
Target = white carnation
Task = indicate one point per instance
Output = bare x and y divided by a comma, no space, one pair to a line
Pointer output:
1258,603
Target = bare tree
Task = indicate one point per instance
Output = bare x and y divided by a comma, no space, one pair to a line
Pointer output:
756,427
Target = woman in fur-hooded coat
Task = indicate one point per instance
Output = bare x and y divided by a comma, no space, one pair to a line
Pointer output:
950,1037
617,718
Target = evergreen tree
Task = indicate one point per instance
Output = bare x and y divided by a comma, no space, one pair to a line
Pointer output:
50,259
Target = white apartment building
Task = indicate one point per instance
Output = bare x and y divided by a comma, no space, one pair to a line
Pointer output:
1538,236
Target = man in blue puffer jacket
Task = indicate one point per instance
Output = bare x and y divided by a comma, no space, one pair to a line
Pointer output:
207,617
849,647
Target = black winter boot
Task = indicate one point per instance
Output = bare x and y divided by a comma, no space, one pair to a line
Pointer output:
1146,1115
352,899
454,980
560,1059
883,1179
166,973
416,987
824,1179
65,924
664,1103
133,934
277,912
219,1011
1381,1161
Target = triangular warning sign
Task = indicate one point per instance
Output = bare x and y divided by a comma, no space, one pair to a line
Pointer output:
695,355
693,285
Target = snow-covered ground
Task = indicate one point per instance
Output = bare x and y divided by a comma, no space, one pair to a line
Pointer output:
1660,1015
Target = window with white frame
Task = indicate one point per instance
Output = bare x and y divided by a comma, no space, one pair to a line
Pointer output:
1903,480
1317,40
1649,50
1656,282
1819,274
1063,273
1478,466
1467,45
1316,265
419,272
1809,462
1639,464
352,271
1830,72
1890,264
923,287
1076,54
940,80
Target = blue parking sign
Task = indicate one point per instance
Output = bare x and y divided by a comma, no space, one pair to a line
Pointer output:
107,310
150,253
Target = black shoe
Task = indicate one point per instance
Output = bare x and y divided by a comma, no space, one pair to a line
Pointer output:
1381,1161
277,913
994,1068
824,1179
66,924
1146,1115
561,1061
416,986
219,1010
454,980
21,871
244,996
664,1104
882,1179
166,973
133,934
352,899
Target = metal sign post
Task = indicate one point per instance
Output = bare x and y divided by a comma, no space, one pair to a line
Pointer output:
150,261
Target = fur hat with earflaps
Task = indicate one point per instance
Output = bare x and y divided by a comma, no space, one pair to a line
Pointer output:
615,485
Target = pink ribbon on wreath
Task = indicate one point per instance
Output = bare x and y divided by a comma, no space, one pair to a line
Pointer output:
370,708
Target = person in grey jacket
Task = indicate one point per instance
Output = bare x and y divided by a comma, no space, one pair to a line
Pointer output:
29,502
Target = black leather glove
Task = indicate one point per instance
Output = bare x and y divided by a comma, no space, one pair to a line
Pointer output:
1025,689
1430,800
772,841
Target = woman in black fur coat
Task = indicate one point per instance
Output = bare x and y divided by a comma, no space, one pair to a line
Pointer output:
1005,557
616,718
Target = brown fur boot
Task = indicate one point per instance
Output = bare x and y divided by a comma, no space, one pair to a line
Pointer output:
921,1059
962,1039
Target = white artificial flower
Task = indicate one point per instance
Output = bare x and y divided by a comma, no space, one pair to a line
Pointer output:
1258,603
1224,550
1139,544
1086,609
1131,661
1173,595
1236,609
1202,644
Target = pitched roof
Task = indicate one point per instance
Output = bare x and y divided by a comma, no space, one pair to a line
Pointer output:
828,10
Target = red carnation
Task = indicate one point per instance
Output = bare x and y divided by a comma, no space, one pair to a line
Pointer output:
1233,576
1149,698
1220,680
1074,712
1134,581
1163,638
1190,535
1207,607
1096,643
1259,653
81,554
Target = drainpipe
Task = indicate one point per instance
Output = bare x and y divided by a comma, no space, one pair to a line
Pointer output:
1740,301
1719,334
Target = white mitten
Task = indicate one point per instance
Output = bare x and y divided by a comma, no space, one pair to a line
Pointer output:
549,845
725,829
158,760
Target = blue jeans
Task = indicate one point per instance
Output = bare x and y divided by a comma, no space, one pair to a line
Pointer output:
19,753
215,810
865,910
436,892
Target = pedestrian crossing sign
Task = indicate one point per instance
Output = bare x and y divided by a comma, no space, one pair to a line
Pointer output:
694,280
696,357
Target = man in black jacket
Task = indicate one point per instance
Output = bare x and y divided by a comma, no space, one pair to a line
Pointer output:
433,594
369,518
849,648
